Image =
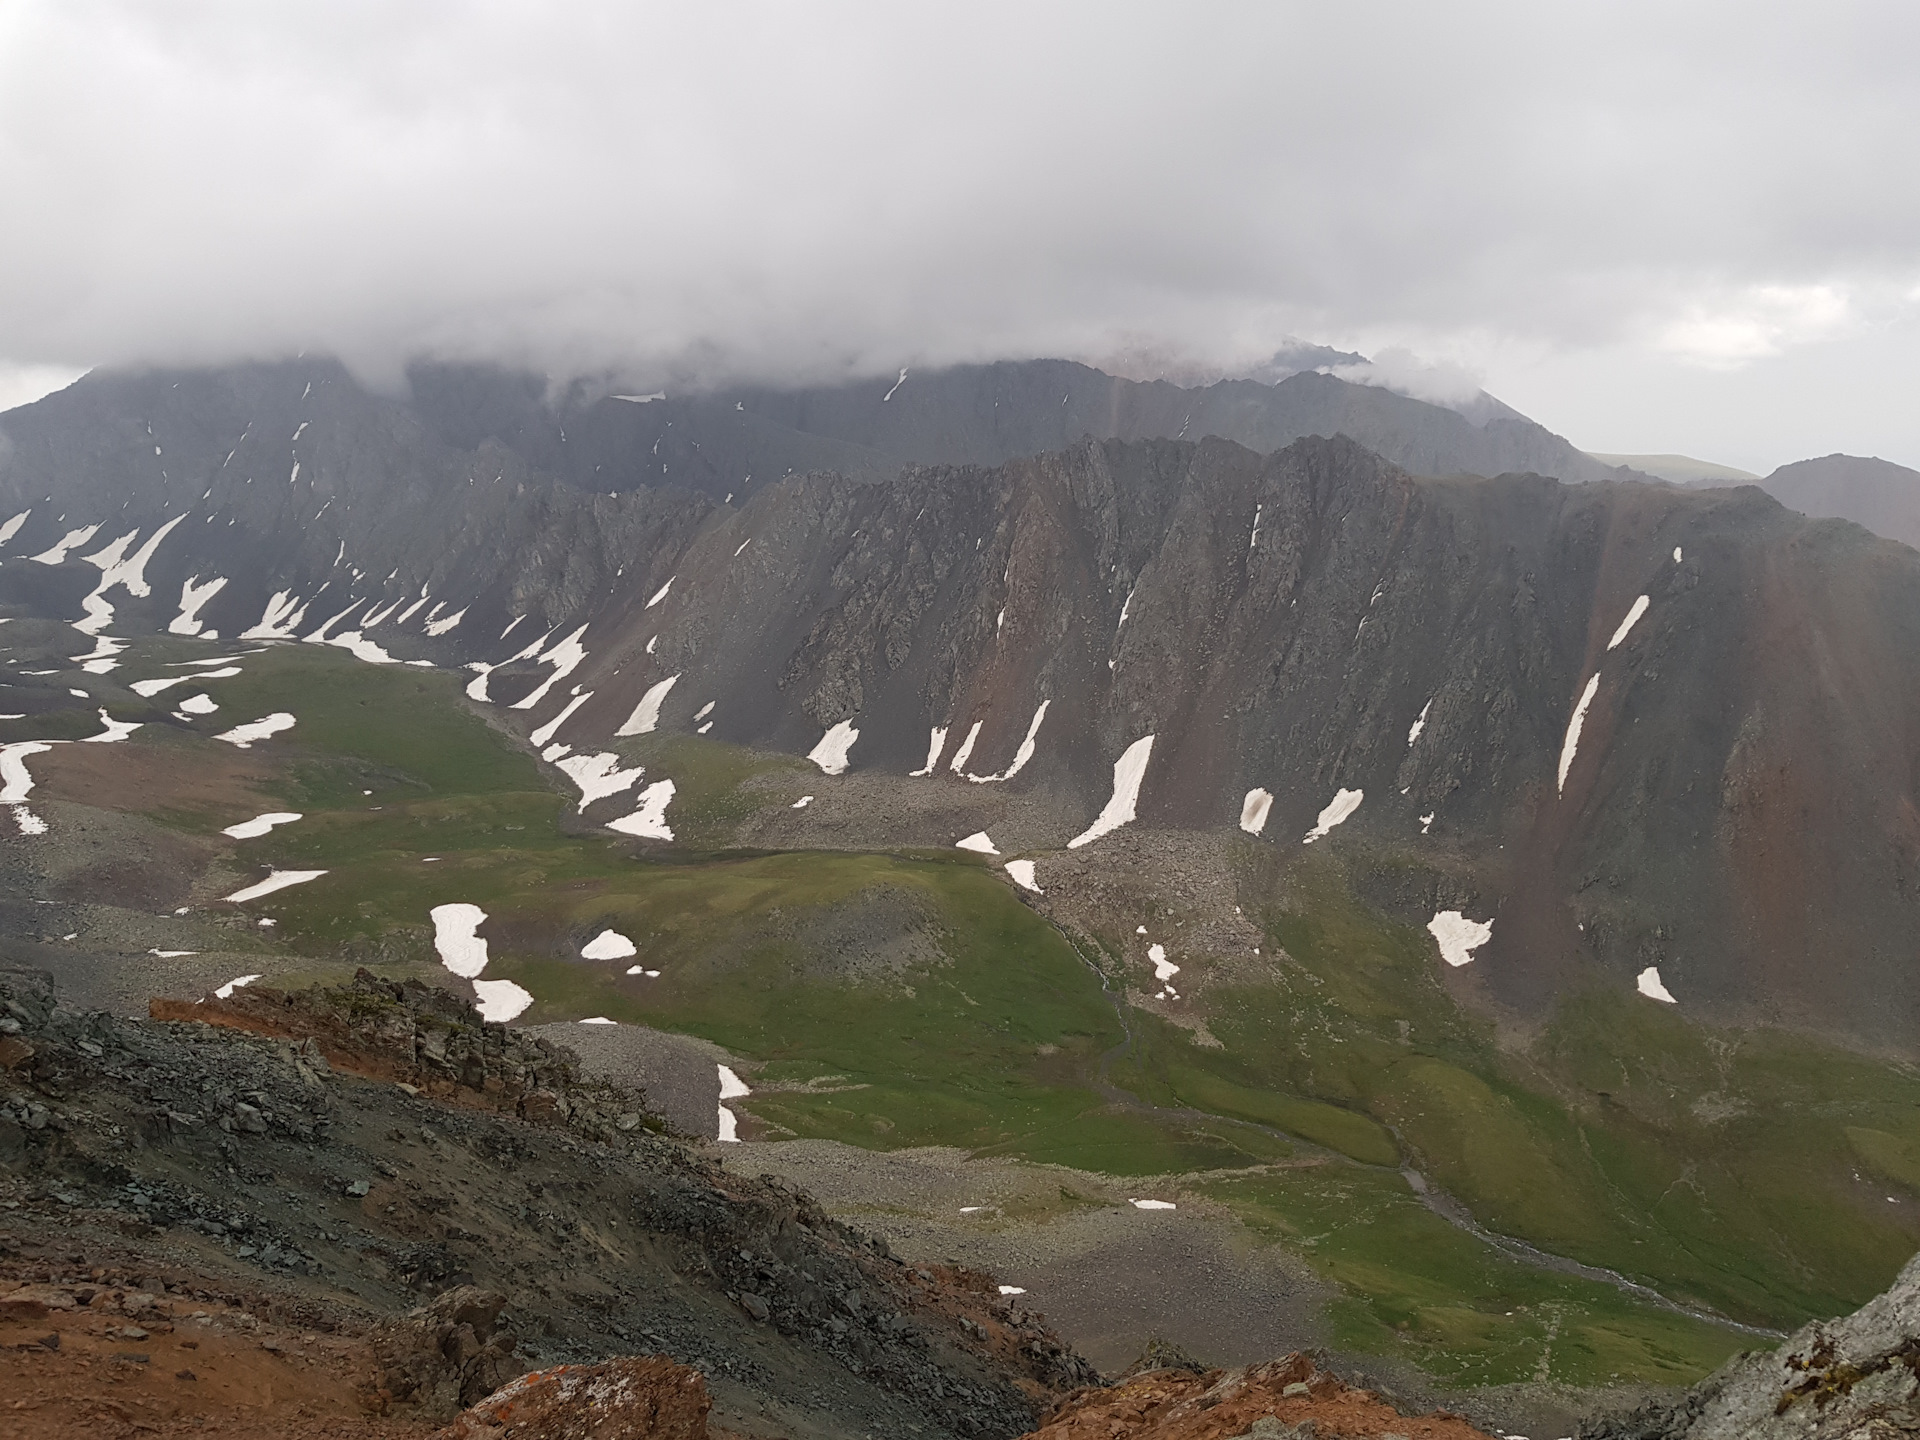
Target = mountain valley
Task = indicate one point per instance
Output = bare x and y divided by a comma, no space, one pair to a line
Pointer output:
1476,907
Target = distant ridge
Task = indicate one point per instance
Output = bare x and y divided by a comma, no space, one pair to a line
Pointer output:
1680,469
1882,496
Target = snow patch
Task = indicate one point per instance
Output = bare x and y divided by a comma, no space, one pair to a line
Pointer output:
500,1000
646,715
801,803
12,527
608,945
225,992
1163,968
1023,754
446,623
1338,810
732,1087
1633,615
147,689
661,593
1153,1204
115,730
547,731
193,596
276,880
260,824
284,612
960,756
896,385
1457,936
1022,873
935,744
198,705
1648,984
1254,810
56,554
598,775
1128,771
565,657
979,842
1420,724
834,747
243,736
456,938
649,822
1571,745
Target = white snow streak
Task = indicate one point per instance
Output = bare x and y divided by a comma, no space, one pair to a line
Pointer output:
732,1087
1128,771
276,880
1254,810
1639,609
547,731
12,527
260,824
565,657
225,992
646,715
935,744
278,621
1571,744
960,756
1342,806
243,736
1020,756
1420,724
447,622
661,593
147,689
56,554
896,385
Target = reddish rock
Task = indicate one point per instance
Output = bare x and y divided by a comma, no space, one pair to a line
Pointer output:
1285,1399
629,1398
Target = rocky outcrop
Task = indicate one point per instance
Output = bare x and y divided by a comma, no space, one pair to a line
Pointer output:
621,1399
1285,1399
444,1355
1856,1378
430,1039
244,1149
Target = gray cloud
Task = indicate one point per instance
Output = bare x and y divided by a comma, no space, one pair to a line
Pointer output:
784,191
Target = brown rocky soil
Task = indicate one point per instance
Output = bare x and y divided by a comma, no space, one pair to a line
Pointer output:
1284,1399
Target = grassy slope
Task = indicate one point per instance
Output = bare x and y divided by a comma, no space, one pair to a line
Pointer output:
1356,1049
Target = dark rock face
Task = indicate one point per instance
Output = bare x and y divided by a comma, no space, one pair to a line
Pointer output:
1856,1377
447,1354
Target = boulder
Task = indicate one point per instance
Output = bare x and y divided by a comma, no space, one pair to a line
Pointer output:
628,1398
444,1355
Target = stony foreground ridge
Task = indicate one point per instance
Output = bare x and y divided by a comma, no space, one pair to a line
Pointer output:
317,1213
253,1170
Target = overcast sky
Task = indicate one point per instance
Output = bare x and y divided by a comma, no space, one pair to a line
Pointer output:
1651,226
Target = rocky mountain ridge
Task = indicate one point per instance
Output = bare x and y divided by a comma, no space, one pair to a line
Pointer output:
1625,735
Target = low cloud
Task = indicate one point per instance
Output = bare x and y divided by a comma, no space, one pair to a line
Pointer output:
765,191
